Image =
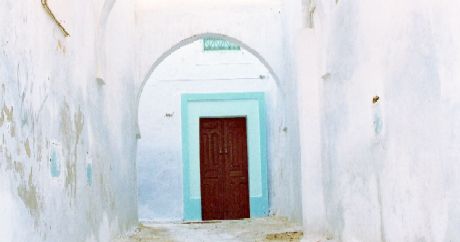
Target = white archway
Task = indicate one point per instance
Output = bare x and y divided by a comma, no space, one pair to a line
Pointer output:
196,37
192,39
279,167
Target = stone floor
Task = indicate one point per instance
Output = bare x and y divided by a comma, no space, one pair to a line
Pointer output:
261,229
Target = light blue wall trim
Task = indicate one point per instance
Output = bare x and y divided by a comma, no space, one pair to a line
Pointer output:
249,105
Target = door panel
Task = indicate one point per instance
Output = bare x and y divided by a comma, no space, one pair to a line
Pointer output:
224,168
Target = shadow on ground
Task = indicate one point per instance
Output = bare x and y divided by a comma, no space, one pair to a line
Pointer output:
260,229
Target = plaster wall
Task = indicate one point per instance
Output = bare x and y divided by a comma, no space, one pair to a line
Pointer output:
385,171
260,27
67,143
188,70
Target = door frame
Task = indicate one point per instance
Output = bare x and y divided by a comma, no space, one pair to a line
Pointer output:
215,105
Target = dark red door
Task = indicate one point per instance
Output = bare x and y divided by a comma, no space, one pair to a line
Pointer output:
224,168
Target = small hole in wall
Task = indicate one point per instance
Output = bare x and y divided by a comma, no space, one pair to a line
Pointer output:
100,81
375,99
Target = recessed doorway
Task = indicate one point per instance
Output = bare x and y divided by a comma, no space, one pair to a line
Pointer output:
205,79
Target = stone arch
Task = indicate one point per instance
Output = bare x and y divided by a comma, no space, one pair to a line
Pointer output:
196,37
276,115
190,40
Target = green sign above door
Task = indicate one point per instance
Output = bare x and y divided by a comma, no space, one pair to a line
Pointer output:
216,44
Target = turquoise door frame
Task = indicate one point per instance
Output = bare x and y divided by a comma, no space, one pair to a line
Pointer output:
249,105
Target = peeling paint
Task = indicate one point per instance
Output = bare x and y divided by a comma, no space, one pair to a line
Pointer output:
39,152
66,130
61,47
9,160
19,168
29,195
27,148
8,113
79,123
71,178
2,118
13,130
65,122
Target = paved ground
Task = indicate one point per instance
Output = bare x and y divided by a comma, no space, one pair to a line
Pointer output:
261,229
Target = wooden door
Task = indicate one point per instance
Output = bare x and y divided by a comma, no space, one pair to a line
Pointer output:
224,168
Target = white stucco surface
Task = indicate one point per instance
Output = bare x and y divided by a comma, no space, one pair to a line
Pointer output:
386,171
49,99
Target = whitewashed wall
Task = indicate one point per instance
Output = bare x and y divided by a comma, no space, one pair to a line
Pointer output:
260,26
49,99
387,171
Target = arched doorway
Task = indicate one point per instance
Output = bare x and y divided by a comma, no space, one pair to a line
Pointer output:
206,76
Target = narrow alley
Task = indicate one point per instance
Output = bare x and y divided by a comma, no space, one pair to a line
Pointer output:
229,120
